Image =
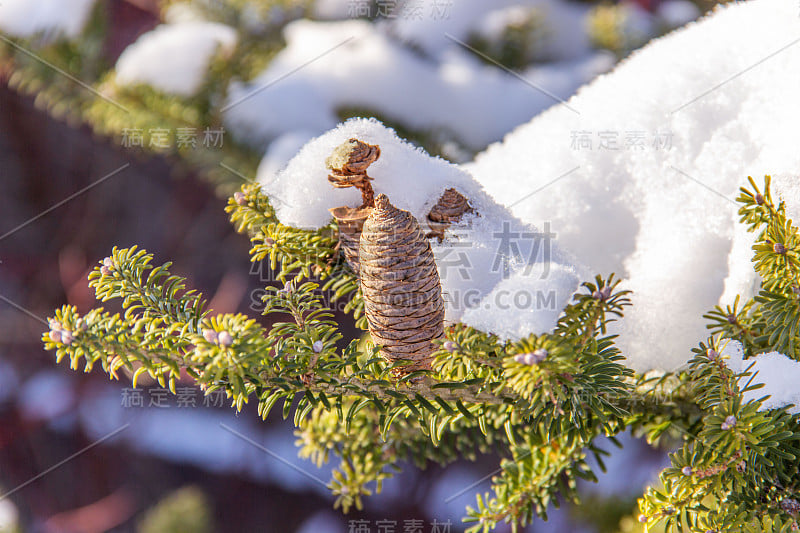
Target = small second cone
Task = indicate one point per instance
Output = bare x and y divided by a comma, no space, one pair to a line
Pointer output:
402,292
351,220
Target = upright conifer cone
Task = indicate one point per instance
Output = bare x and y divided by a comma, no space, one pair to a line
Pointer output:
402,292
450,208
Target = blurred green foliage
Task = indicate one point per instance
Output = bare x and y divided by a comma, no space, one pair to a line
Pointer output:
182,511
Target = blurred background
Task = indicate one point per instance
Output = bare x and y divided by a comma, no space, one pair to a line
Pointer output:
82,454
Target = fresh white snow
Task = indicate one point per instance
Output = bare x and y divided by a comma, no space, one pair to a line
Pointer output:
174,58
526,302
779,374
329,65
660,147
25,18
498,274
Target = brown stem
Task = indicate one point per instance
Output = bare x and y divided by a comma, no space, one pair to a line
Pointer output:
367,194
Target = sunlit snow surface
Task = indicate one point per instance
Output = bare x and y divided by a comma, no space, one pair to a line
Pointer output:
174,58
25,18
692,115
779,375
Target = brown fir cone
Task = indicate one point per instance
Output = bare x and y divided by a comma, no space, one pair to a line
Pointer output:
450,208
402,293
348,165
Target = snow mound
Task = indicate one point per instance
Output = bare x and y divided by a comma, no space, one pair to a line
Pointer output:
329,65
501,275
661,146
526,302
25,18
174,58
779,374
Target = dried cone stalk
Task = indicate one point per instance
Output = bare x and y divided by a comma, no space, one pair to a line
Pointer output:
450,208
402,293
348,165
